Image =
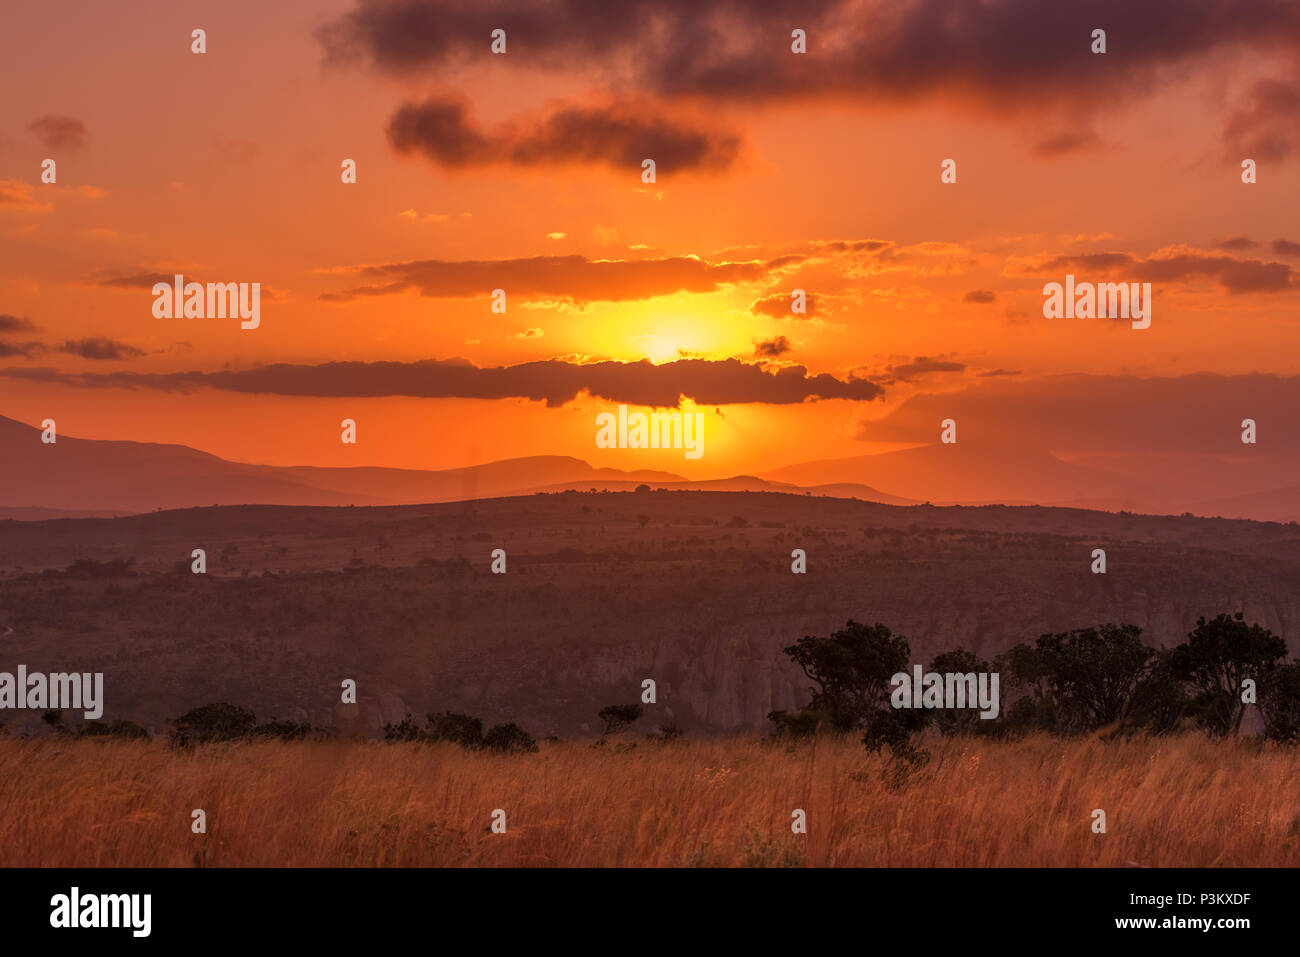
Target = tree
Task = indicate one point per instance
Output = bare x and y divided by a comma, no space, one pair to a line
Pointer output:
213,722
509,739
460,728
959,720
616,717
1161,701
1216,658
851,670
1084,679
1279,703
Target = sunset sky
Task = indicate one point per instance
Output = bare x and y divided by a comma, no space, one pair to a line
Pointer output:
775,171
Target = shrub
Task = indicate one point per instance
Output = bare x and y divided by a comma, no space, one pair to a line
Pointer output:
509,739
213,722
460,728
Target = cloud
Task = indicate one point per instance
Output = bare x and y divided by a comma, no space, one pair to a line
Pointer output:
1063,143
1284,247
1025,51
1198,413
99,348
1237,244
921,366
1177,265
620,135
140,280
571,277
772,348
1266,129
28,350
57,132
778,306
980,296
554,381
15,324
21,195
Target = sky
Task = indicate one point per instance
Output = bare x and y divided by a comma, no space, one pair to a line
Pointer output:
774,171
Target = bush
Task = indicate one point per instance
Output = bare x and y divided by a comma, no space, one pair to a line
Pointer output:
213,722
407,730
616,717
460,728
1279,703
803,723
509,739
283,730
113,729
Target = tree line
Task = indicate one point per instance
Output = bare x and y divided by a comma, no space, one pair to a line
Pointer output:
1102,678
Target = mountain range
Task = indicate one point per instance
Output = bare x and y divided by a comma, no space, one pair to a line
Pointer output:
87,477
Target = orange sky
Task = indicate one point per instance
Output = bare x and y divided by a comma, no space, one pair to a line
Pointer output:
225,167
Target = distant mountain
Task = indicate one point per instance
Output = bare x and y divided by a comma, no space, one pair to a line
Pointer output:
972,473
91,475
95,477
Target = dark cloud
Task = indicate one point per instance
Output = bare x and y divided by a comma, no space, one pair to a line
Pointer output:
921,366
778,306
1235,275
1284,247
140,280
99,348
1069,141
1024,51
566,277
1199,413
28,350
15,324
1237,244
998,372
1267,128
980,296
620,135
772,348
553,381
57,132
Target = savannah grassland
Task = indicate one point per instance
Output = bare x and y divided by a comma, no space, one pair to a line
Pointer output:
1182,801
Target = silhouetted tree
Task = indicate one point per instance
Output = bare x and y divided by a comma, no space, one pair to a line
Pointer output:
851,670
212,722
1279,703
460,728
1161,701
1216,658
616,717
959,720
1084,679
509,739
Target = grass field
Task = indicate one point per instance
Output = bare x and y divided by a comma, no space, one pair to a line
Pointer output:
710,802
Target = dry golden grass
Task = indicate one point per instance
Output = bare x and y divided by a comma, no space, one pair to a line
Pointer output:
1186,801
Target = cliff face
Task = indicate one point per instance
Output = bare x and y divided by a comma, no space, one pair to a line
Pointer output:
699,597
